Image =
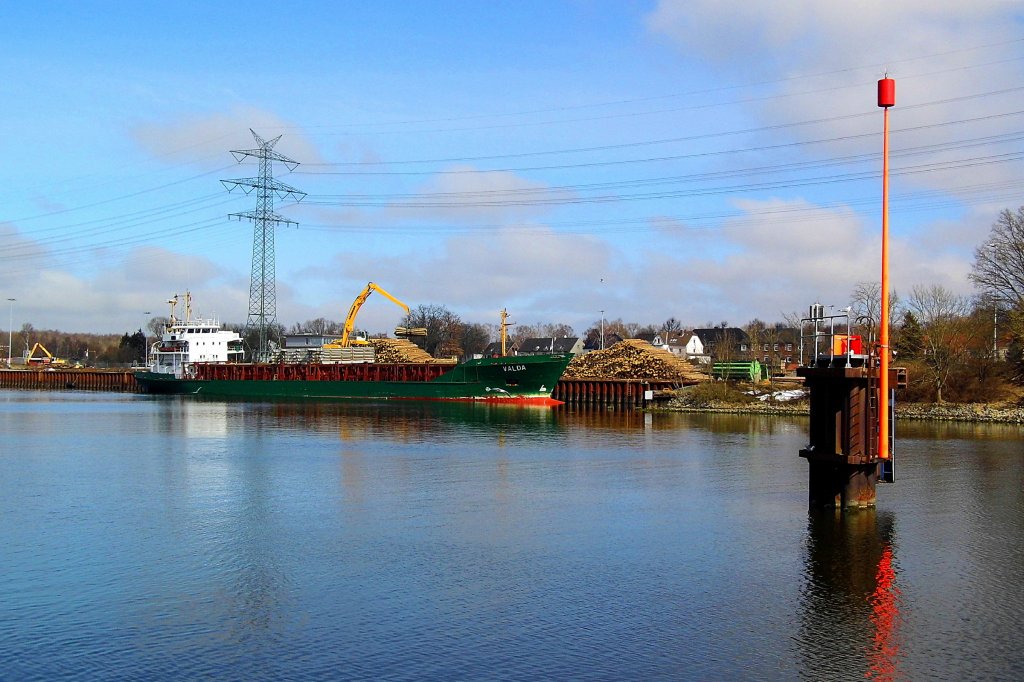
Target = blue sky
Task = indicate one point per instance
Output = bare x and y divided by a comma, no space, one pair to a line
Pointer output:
701,160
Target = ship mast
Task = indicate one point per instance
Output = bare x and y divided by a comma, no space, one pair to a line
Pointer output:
174,303
504,330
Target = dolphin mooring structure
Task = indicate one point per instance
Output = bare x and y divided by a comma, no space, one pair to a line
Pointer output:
843,453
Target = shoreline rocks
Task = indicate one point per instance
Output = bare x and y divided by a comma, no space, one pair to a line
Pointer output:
967,412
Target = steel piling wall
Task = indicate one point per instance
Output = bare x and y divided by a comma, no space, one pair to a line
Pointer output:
69,379
621,392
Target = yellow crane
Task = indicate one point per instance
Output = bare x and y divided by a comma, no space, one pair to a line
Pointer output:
350,321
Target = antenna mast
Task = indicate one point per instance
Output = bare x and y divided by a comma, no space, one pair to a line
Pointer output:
262,284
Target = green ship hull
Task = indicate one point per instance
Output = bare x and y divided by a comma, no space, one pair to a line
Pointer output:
522,379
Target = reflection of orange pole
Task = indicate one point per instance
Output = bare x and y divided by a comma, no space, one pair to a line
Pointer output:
885,616
886,98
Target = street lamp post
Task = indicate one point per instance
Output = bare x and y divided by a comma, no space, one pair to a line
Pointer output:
10,331
995,312
145,339
995,330
602,329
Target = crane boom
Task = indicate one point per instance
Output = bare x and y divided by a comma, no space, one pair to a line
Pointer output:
350,321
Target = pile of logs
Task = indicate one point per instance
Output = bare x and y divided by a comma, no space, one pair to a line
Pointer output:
401,350
633,359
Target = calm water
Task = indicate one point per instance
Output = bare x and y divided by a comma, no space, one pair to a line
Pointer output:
145,538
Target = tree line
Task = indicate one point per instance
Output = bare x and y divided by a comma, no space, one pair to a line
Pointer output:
960,348
94,350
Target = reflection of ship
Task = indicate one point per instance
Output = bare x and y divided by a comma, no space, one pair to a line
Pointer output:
198,357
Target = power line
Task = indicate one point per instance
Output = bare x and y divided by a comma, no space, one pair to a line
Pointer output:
446,202
689,93
694,107
675,157
918,200
703,175
104,202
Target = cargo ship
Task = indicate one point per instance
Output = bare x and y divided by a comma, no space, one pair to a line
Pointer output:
199,357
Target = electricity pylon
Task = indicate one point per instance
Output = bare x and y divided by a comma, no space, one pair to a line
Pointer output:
262,284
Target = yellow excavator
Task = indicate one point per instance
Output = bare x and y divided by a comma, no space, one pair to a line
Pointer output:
346,339
47,358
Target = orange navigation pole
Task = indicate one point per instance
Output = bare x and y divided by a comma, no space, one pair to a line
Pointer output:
886,99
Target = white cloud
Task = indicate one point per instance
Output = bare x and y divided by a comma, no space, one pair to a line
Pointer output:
766,269
116,293
760,265
789,36
824,60
468,195
756,265
528,268
205,139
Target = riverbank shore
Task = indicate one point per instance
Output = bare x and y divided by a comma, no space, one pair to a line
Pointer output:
968,412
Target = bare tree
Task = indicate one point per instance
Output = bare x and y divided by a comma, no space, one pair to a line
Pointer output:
866,307
793,319
443,327
999,263
156,324
522,332
27,330
616,326
947,331
672,325
557,330
474,338
319,325
756,330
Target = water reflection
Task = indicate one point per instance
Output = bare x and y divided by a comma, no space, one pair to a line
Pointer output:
850,602
410,422
973,431
597,417
417,422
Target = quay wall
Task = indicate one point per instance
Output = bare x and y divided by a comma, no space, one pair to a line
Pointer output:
621,392
69,379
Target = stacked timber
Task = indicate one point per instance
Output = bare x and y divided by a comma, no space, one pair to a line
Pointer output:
352,354
633,359
402,350
294,356
328,355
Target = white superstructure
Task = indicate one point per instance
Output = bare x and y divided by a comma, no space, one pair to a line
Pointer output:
189,340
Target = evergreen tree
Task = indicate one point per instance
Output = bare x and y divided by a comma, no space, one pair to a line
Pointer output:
132,347
910,339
